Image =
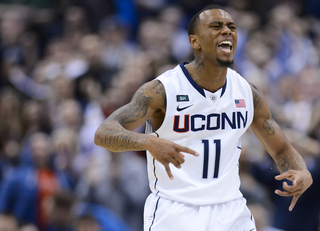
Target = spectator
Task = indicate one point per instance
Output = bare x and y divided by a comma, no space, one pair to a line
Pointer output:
98,218
28,227
60,216
87,223
38,181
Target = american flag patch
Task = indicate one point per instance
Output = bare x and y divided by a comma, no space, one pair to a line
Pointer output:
240,103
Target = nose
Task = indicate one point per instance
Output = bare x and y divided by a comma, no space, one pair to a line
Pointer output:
226,30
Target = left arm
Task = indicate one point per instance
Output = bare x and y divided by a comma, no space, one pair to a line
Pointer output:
290,164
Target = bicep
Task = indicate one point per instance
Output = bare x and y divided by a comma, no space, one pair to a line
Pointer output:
148,99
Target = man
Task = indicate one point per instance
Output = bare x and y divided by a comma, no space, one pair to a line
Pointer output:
28,189
201,108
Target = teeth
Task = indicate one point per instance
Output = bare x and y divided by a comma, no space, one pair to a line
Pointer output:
226,43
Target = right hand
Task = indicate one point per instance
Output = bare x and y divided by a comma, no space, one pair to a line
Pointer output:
167,152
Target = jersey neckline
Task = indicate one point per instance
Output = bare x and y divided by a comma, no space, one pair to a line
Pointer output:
195,85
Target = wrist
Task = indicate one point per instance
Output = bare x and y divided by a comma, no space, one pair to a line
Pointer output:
150,139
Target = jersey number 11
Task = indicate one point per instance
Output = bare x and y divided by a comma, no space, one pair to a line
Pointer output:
206,158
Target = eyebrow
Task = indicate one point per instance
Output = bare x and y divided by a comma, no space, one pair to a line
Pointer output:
220,22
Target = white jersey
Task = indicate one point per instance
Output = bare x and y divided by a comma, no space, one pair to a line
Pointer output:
209,123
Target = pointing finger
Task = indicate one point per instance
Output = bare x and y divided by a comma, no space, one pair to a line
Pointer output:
188,150
282,176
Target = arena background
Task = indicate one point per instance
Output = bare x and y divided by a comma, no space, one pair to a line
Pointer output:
68,64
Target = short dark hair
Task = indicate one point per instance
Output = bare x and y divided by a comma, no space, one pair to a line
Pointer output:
195,19
64,200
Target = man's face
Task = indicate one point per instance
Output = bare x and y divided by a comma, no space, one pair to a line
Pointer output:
217,33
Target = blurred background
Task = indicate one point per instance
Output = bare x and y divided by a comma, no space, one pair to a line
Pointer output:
68,64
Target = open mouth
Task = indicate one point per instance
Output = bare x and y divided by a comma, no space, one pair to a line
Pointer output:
225,46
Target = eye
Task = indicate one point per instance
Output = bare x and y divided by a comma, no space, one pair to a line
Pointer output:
232,27
215,26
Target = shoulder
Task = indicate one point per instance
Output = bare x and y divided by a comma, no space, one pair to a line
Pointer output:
170,74
153,88
151,94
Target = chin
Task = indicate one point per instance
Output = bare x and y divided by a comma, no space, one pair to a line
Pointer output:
225,63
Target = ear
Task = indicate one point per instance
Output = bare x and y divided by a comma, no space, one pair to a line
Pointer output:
194,41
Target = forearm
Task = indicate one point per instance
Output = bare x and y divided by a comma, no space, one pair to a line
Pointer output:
289,159
116,138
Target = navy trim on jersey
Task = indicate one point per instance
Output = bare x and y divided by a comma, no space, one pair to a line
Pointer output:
195,85
154,213
252,218
154,173
154,169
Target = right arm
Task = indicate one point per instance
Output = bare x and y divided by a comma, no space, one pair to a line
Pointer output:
117,134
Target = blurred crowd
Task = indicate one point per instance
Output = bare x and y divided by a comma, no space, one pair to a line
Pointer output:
68,64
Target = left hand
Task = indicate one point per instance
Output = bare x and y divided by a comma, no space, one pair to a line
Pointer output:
301,181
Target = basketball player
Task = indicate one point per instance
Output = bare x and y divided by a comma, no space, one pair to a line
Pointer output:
196,114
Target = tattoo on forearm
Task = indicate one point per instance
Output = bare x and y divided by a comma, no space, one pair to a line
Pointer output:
291,161
118,139
284,165
267,125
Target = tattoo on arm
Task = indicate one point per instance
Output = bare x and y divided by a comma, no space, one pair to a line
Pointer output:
268,125
257,98
291,161
119,139
285,156
112,133
137,108
284,165
159,88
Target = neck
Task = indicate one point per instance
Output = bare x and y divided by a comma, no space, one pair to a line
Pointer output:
207,75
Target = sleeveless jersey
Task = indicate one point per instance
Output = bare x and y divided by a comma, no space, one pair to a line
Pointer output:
209,123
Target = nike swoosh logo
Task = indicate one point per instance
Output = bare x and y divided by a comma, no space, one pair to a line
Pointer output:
182,108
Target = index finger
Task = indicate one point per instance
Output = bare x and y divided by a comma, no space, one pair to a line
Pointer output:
187,150
282,176
290,175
